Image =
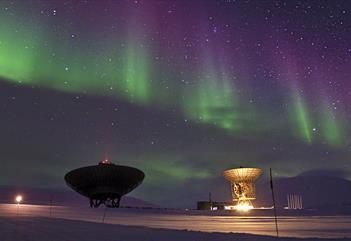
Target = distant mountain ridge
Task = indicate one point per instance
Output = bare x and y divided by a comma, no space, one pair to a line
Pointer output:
317,191
47,196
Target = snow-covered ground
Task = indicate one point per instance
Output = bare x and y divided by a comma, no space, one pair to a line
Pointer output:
52,229
37,223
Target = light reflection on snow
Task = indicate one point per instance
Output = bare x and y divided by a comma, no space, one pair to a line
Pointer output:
332,227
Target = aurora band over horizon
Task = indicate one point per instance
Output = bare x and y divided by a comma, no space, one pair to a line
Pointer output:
123,66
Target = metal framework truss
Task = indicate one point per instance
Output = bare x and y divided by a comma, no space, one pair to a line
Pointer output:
108,202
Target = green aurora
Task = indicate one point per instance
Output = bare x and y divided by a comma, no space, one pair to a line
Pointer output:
124,69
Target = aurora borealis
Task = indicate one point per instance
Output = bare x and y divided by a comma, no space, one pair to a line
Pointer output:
181,89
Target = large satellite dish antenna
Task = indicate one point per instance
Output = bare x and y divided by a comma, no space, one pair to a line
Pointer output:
242,182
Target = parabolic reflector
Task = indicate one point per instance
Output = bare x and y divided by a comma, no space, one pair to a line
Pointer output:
105,183
242,174
242,181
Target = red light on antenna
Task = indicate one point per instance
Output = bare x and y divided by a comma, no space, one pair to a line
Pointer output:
106,161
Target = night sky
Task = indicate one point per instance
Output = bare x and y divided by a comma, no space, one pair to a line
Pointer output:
180,89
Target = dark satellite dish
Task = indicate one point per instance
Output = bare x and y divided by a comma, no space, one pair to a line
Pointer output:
104,183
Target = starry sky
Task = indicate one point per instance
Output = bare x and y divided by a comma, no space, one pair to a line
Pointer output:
180,89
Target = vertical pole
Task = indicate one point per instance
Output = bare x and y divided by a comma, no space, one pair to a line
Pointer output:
290,204
294,201
274,206
210,200
50,210
17,221
103,217
298,200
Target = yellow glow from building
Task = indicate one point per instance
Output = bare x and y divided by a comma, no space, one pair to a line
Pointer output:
242,207
245,207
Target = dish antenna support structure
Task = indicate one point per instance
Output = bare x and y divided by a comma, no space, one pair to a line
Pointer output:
242,182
